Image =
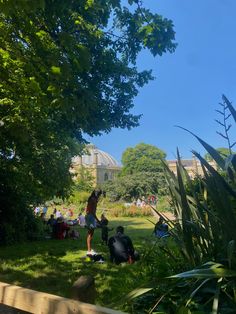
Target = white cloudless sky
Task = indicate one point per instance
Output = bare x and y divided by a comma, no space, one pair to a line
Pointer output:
189,83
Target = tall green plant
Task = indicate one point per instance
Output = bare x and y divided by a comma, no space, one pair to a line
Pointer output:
225,115
206,223
205,229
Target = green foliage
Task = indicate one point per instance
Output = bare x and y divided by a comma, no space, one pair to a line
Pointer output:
208,270
79,198
135,186
63,74
22,226
207,217
224,123
142,158
141,175
56,201
156,264
164,204
53,266
204,231
120,210
207,220
84,179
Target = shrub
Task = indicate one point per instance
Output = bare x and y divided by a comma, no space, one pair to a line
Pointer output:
23,226
120,210
56,201
164,204
136,185
79,197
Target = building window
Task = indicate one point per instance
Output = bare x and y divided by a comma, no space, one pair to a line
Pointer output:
105,177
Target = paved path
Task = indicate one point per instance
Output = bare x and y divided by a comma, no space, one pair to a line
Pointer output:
168,215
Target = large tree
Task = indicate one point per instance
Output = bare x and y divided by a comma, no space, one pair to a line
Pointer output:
67,68
142,158
142,173
137,185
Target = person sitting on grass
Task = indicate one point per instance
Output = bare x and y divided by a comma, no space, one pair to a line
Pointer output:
61,229
81,220
161,229
121,248
91,218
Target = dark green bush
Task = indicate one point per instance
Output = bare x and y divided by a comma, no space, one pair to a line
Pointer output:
22,226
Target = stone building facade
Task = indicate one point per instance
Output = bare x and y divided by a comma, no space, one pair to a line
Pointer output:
101,165
193,166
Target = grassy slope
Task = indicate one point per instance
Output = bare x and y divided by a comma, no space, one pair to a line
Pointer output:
52,265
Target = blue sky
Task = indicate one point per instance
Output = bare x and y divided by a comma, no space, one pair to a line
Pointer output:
188,84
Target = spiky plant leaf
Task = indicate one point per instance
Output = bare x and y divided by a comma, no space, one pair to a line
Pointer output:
213,152
229,105
230,251
137,292
215,174
215,272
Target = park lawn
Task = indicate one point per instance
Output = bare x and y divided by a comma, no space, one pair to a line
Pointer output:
53,265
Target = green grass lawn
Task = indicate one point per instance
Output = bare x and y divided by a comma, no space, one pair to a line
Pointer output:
53,265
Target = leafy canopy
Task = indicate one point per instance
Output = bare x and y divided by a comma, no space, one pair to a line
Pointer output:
142,158
67,68
142,174
136,185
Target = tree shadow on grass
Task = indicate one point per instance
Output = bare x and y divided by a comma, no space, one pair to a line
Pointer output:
52,275
46,273
52,266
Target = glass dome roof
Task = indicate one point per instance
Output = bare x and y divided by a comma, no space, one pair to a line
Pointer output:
103,158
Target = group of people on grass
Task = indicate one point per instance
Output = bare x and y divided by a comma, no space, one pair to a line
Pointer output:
60,229
120,245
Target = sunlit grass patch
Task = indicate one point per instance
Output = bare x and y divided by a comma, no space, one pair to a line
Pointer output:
52,265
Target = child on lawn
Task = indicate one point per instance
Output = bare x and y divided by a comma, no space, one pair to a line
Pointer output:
104,226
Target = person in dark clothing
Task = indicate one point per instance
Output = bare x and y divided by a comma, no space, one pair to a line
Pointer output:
61,229
52,223
121,248
104,229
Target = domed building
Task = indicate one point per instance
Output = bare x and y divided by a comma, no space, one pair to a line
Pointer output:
101,165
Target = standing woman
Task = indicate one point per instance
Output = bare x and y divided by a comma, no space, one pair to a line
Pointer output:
91,218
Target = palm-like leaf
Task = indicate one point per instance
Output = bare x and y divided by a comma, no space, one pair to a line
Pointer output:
215,271
213,152
231,108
